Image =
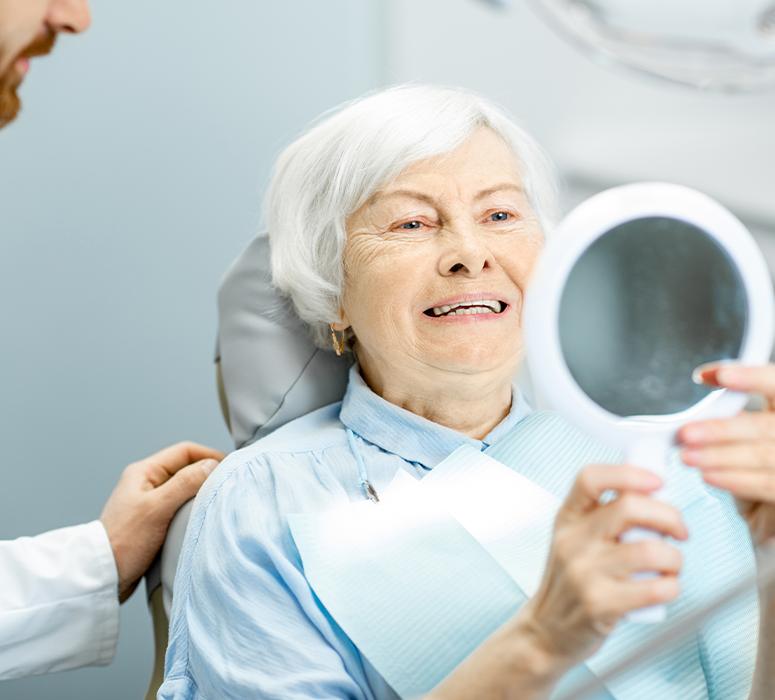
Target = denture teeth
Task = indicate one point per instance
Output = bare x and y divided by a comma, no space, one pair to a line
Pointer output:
478,306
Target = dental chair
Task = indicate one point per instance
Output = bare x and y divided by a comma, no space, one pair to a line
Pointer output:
268,372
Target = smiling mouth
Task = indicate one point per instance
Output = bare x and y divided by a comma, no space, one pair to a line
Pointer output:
479,306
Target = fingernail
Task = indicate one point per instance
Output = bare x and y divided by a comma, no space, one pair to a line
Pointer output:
208,465
652,481
707,374
656,480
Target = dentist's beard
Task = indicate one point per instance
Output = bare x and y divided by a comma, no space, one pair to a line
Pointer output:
10,104
11,79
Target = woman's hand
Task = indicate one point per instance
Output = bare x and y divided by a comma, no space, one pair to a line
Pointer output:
588,585
738,454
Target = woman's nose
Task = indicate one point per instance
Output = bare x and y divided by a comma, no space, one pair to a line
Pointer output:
71,16
466,255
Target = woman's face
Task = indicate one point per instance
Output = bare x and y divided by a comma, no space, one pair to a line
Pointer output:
436,265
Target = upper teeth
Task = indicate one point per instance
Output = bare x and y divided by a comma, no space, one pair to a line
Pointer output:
477,306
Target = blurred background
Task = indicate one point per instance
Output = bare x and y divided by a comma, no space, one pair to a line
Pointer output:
136,172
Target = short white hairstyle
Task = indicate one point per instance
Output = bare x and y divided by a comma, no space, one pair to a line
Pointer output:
337,165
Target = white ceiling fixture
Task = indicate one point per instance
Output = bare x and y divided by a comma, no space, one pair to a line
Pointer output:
726,45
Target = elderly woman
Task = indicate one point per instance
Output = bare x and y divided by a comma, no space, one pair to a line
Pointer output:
322,562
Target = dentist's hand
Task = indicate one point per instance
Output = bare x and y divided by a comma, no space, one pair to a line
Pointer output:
146,498
588,584
738,454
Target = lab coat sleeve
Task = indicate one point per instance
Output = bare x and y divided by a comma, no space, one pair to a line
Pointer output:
58,601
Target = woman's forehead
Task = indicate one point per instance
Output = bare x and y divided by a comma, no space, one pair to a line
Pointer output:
484,164
483,151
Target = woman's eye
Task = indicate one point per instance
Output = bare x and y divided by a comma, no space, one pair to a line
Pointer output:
500,216
414,225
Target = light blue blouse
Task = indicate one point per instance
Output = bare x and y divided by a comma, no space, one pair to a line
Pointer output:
245,623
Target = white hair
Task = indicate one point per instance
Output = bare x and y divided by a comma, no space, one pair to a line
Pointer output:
331,170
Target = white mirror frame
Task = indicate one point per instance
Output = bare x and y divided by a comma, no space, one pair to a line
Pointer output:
579,230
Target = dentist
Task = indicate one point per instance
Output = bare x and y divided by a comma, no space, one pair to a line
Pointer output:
60,591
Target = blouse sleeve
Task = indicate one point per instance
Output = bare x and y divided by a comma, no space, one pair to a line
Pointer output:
245,623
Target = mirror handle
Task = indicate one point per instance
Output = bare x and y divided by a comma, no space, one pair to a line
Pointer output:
649,452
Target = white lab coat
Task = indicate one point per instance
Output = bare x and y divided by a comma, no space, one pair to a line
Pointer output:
58,601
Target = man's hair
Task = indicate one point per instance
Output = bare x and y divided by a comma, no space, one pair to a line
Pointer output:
331,171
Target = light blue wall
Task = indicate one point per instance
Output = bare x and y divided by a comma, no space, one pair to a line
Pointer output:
132,179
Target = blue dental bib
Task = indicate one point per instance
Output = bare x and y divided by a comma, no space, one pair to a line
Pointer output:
421,579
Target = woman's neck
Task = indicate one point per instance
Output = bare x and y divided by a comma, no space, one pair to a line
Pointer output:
472,404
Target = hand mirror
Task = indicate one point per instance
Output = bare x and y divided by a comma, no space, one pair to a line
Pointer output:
639,286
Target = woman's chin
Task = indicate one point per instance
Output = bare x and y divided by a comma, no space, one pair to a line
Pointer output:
477,358
472,338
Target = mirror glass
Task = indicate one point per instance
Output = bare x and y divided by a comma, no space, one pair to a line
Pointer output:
643,306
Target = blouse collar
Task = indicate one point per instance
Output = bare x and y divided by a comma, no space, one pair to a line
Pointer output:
412,437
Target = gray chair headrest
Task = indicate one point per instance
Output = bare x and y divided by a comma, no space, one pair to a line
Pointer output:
272,372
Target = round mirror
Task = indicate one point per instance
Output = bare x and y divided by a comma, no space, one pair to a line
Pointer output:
638,287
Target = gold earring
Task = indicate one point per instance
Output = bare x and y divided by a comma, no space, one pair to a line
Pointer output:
339,344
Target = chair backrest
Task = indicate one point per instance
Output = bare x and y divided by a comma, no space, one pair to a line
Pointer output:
271,370
158,586
268,372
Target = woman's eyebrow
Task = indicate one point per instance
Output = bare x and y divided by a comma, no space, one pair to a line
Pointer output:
499,188
412,194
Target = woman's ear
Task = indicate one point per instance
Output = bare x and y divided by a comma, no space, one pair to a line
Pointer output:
343,324
340,344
